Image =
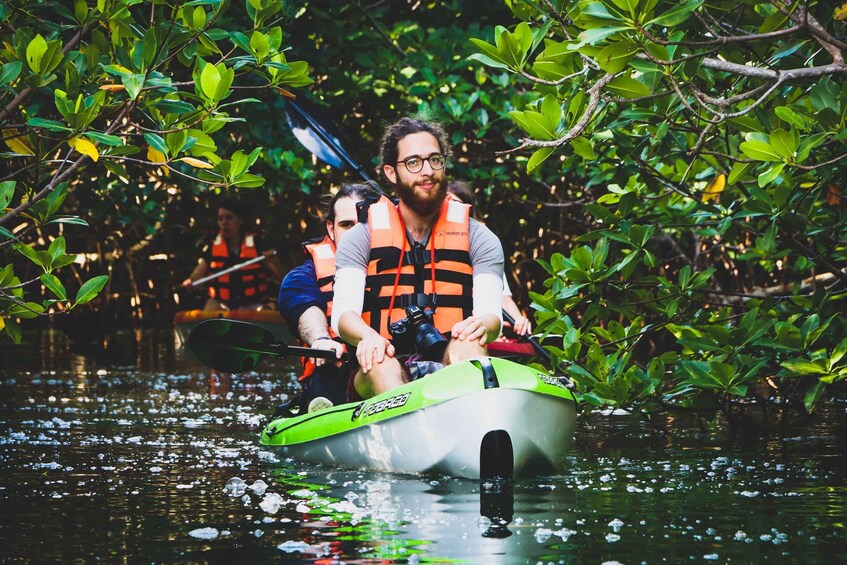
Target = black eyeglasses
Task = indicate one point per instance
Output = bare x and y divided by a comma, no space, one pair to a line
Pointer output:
414,164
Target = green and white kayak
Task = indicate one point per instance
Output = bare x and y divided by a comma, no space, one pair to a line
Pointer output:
481,418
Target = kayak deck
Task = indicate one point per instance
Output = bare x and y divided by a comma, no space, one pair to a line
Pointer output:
480,418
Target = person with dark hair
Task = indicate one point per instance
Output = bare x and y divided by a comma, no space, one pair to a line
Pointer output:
422,259
246,288
522,325
305,299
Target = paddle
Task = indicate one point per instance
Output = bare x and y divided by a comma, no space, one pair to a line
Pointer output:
234,346
232,269
313,129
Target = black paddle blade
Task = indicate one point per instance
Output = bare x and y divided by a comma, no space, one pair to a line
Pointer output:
232,346
315,131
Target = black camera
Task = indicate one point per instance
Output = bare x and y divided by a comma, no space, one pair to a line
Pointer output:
415,332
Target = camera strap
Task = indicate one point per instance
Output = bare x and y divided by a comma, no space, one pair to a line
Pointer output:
400,267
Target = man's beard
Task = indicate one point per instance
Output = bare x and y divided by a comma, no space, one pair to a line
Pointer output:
424,205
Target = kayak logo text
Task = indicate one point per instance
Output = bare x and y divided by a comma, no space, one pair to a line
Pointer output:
382,405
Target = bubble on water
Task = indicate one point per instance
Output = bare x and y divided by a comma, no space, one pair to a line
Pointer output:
292,546
484,523
711,557
52,465
344,506
271,503
351,496
564,533
246,499
259,487
235,487
204,533
605,478
258,533
543,534
766,537
611,563
61,424
612,538
749,493
155,469
616,524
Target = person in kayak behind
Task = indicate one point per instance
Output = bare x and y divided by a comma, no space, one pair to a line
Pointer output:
425,253
522,326
305,299
246,288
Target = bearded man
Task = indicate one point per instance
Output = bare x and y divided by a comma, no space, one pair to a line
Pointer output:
421,254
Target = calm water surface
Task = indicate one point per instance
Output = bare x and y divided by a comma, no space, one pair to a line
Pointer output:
147,456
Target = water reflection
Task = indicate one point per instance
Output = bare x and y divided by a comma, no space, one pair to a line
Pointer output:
128,455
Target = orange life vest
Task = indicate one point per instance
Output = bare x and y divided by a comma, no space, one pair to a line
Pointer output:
244,286
322,253
446,282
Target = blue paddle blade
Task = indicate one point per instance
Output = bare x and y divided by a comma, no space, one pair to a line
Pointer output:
310,126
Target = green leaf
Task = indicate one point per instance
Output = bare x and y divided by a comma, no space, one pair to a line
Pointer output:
770,175
35,52
628,87
50,125
156,142
597,34
804,367
210,78
40,258
7,192
57,247
791,117
783,143
583,148
133,84
10,72
759,150
613,58
814,394
54,285
90,289
105,139
676,15
739,170
538,157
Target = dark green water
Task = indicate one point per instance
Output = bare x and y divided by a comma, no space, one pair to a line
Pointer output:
127,459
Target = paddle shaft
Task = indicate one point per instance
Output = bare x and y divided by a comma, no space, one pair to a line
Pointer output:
279,350
532,341
232,269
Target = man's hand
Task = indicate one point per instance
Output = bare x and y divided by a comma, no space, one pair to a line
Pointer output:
471,328
328,345
522,326
372,350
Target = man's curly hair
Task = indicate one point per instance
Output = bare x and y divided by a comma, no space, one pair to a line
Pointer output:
407,126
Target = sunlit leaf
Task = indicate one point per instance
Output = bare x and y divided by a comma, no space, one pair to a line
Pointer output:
715,189
90,289
85,147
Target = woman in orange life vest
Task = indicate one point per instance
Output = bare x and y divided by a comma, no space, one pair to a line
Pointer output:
305,297
460,190
246,288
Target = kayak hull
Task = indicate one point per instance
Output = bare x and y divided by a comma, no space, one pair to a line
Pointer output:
187,320
448,423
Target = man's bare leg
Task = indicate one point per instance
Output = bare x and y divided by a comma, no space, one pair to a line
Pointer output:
382,377
460,350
